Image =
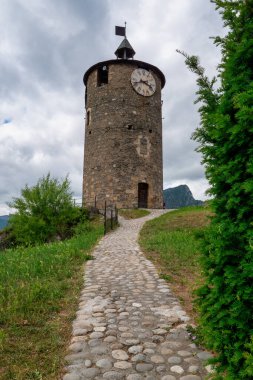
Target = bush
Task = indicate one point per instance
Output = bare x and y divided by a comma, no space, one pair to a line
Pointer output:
225,137
7,239
45,212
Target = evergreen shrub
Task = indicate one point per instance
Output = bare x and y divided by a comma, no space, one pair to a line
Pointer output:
225,139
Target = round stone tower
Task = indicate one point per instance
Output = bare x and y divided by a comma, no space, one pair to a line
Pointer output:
123,133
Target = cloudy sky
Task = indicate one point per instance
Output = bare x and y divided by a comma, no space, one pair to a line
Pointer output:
45,48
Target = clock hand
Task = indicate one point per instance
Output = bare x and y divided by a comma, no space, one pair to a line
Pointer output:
149,85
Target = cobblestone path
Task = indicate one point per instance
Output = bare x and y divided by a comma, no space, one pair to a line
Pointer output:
129,325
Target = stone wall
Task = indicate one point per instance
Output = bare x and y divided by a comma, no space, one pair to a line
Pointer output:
123,141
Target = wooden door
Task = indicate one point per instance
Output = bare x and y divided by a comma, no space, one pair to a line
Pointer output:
142,195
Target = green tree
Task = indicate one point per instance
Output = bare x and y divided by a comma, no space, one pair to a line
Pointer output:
44,212
225,139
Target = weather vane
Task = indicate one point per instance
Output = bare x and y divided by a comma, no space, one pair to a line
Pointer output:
120,30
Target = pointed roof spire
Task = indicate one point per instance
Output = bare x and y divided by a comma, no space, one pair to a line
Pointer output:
125,50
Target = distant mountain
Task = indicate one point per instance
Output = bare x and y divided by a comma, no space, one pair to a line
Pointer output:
3,221
180,196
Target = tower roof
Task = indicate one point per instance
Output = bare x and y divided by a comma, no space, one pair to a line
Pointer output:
125,50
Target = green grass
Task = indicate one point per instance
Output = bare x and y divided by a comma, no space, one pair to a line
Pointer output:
133,213
172,243
39,291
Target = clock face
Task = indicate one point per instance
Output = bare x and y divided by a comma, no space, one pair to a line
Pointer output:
143,82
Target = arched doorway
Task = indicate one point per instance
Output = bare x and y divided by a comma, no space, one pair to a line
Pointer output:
142,195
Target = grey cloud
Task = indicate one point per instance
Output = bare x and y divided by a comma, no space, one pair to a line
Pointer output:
49,47
46,58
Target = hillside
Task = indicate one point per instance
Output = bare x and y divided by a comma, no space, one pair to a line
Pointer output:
3,221
172,242
180,196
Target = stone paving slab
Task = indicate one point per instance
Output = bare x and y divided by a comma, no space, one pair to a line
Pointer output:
129,324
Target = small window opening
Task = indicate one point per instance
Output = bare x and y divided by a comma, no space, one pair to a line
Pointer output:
129,127
88,117
150,130
85,95
89,132
102,76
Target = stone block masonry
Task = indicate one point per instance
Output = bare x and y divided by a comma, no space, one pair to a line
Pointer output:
123,138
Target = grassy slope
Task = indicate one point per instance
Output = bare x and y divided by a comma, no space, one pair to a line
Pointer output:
133,213
39,291
171,242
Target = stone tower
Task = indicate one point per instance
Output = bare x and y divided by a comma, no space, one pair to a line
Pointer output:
123,133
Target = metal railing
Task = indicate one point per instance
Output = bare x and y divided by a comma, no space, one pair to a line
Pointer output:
77,202
110,214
